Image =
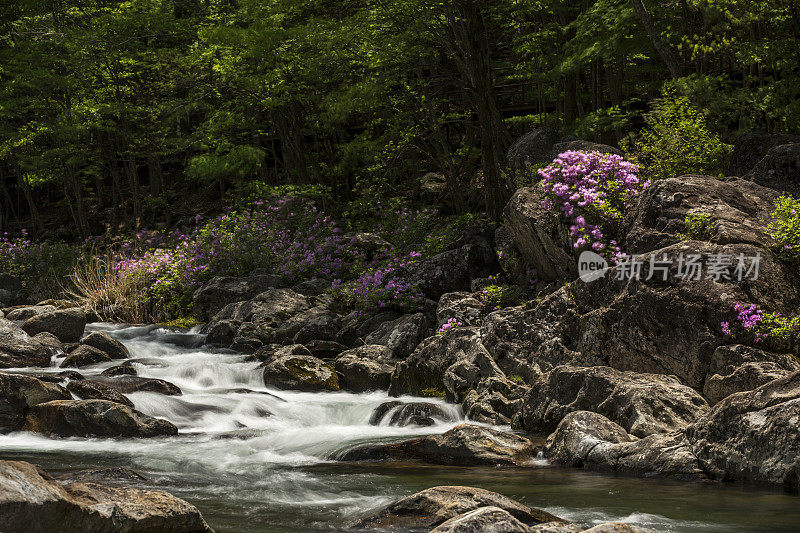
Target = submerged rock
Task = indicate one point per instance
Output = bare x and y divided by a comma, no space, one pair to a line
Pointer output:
432,507
365,368
31,500
643,404
66,324
301,373
105,343
464,445
19,392
405,414
85,418
127,384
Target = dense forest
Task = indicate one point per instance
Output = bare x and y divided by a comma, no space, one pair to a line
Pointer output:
120,115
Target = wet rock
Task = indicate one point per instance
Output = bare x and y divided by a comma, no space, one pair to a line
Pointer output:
88,389
316,318
589,440
414,413
494,400
738,209
402,335
643,404
779,169
434,506
365,368
84,356
301,373
129,384
18,349
105,343
19,392
125,369
223,332
541,236
265,354
464,445
66,324
220,291
31,500
752,436
448,364
618,527
459,305
84,418
751,148
49,341
488,519
24,313
114,474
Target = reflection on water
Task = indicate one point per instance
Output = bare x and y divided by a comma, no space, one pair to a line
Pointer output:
254,459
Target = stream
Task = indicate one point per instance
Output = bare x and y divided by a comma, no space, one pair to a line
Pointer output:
253,459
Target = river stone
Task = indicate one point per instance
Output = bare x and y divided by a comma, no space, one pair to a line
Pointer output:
129,384
402,335
300,372
24,313
414,413
365,368
105,343
19,392
322,327
66,324
18,349
452,364
220,291
643,404
84,418
32,501
125,369
589,440
488,519
464,445
85,356
50,341
432,507
494,400
89,389
753,436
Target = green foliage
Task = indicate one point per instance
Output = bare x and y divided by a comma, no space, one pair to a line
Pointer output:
677,141
699,227
433,393
496,297
785,228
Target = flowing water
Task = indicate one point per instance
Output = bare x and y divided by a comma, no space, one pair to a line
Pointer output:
258,460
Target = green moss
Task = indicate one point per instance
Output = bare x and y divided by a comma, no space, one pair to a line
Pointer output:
699,227
516,378
185,323
432,393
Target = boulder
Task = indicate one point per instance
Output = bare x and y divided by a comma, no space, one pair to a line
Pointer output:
739,368
402,335
589,440
432,507
24,313
464,445
540,236
105,343
300,372
125,369
530,152
488,519
18,349
49,341
368,243
222,332
462,306
320,328
739,212
365,368
415,413
752,436
220,291
449,364
494,400
31,500
85,355
19,392
643,404
89,389
128,384
66,324
270,309
751,148
356,328
84,418
779,169
325,349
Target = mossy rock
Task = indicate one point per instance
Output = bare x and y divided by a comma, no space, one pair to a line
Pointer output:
301,373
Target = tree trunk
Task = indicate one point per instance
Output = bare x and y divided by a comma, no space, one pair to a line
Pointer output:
655,37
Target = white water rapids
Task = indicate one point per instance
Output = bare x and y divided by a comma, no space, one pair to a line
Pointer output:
256,459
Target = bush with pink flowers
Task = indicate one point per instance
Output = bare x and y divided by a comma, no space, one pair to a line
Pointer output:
591,190
753,325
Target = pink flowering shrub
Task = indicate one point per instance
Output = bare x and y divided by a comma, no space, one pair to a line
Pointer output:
754,325
449,325
591,189
379,289
37,265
